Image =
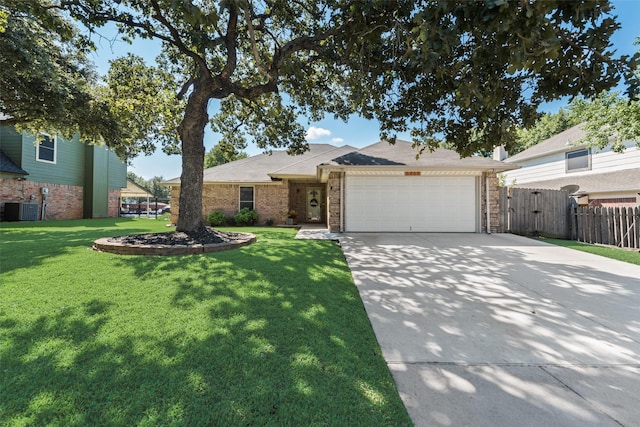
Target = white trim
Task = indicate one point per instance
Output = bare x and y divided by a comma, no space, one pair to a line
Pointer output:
404,170
566,161
54,139
253,194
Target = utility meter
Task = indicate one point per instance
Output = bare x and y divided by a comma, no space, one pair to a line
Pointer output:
44,190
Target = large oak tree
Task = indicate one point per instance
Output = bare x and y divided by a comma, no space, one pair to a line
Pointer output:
47,82
468,72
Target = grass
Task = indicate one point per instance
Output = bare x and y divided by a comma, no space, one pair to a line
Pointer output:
270,334
629,256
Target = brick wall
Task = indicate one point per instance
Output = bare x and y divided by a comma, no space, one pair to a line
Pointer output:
271,201
494,199
333,201
63,201
114,203
615,202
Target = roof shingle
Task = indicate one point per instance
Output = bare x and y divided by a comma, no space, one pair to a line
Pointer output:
7,165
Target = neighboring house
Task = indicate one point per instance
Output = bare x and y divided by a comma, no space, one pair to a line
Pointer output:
595,177
62,179
381,187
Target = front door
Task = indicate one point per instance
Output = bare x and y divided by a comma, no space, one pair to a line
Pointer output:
314,204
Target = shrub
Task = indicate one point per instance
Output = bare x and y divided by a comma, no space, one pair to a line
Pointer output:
246,216
217,218
268,222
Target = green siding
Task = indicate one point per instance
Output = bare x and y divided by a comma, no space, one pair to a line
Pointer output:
68,168
117,172
95,168
11,144
96,191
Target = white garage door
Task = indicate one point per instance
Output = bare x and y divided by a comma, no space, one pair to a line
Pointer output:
410,203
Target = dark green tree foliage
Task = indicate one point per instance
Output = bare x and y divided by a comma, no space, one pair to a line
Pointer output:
609,119
472,73
142,101
468,72
547,126
222,153
46,81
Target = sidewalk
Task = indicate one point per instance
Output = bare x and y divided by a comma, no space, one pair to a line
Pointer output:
316,232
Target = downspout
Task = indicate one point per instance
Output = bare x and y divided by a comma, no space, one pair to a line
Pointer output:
486,187
342,202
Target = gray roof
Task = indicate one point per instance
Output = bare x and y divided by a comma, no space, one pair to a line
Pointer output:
7,165
267,167
263,167
564,141
402,153
306,165
617,181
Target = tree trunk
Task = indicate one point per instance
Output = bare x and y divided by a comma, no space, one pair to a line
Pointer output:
191,130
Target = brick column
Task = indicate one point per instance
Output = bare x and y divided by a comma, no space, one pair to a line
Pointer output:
494,201
333,202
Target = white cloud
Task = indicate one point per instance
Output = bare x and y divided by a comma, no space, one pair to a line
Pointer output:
315,133
337,140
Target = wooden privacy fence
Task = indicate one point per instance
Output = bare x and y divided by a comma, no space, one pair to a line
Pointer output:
534,212
607,226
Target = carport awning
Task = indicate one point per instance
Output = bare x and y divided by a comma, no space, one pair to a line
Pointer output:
134,190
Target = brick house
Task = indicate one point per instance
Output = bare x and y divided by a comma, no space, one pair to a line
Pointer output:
381,187
62,179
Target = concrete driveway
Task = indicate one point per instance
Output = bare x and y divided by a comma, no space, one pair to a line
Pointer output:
500,330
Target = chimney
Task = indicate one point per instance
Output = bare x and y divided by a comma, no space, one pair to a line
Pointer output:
499,153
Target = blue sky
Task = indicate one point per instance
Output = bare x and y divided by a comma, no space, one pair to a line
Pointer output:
357,132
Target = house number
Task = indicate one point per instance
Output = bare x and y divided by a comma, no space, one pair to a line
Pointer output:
412,173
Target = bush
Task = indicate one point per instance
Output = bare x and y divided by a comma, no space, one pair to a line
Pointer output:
268,222
246,216
217,218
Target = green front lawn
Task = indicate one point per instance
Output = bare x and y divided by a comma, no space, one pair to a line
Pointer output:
270,334
632,257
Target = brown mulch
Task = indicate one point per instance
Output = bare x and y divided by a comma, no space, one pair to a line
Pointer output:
205,237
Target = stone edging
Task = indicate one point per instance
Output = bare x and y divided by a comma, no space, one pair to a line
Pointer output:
104,245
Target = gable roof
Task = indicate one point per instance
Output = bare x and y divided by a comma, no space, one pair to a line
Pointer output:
403,154
613,182
567,140
307,165
266,167
134,190
7,165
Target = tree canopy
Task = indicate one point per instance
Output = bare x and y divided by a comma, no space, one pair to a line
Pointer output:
468,72
46,81
222,153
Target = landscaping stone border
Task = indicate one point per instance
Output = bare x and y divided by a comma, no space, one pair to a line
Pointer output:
106,245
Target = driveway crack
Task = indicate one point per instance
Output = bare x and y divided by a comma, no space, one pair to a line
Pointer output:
577,393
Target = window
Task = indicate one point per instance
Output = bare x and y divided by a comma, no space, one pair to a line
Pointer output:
46,149
578,160
246,197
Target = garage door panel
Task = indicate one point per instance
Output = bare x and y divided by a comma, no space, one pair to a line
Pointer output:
400,203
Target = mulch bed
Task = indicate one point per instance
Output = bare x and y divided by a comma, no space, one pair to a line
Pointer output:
206,237
174,242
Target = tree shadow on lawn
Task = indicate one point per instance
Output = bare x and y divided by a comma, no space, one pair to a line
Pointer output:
270,334
27,244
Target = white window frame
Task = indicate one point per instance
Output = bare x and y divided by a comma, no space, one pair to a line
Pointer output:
253,197
566,160
54,139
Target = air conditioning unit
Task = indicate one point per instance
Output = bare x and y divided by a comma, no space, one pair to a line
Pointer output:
21,211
